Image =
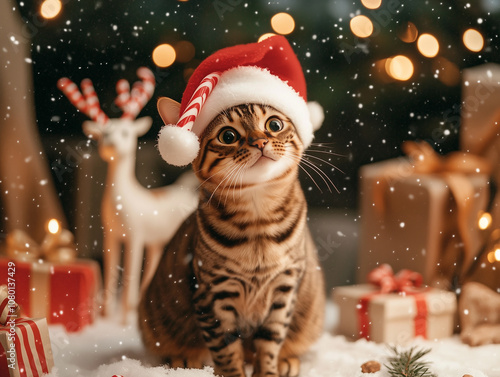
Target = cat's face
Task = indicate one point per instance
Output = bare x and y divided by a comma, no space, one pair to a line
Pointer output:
248,144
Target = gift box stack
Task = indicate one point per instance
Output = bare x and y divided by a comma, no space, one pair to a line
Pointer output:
50,282
438,214
25,349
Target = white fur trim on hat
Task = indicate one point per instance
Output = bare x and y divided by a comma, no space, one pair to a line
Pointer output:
316,114
250,84
177,145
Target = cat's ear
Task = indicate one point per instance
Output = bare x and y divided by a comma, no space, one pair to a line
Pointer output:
169,110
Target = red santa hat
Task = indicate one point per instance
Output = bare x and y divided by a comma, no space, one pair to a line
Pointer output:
266,73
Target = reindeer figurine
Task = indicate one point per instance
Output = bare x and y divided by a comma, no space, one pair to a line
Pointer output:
132,215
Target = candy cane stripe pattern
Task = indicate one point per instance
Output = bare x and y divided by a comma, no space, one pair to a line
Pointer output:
86,103
129,101
141,92
32,349
176,143
199,97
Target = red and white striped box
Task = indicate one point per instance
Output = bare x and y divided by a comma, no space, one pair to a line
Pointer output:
25,349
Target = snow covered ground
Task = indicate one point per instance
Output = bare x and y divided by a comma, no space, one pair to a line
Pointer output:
107,348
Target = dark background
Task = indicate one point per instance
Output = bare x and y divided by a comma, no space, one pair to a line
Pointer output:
367,118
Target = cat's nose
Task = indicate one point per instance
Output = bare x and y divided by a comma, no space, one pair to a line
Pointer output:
258,142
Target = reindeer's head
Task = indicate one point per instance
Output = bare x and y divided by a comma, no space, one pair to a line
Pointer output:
117,137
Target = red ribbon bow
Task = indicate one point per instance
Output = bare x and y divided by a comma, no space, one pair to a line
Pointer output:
404,281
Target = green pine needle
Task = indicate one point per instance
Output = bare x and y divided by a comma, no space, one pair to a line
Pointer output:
408,363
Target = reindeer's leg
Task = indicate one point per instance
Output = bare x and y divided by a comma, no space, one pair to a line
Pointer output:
111,261
134,253
153,256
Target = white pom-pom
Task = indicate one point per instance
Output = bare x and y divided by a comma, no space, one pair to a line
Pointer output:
316,114
178,146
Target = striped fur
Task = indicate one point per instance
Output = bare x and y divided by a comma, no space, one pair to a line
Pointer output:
240,281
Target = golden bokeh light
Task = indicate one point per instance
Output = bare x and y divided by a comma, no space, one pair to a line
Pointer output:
408,32
428,45
184,51
164,55
361,26
282,23
494,256
53,226
399,67
50,8
447,72
371,4
265,36
484,221
473,40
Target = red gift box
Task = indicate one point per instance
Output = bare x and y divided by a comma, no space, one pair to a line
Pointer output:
25,349
63,293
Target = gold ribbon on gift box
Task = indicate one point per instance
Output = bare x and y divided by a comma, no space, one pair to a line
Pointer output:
57,245
454,168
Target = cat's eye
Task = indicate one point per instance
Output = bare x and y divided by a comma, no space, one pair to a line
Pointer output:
228,135
274,124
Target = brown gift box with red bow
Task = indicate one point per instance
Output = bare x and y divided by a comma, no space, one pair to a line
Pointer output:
422,212
397,316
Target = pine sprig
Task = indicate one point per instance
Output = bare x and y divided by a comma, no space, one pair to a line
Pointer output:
408,363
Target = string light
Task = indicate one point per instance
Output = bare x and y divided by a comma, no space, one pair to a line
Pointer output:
361,26
473,40
484,221
371,4
428,45
399,67
184,51
53,226
265,36
448,72
408,33
494,256
164,55
282,23
50,8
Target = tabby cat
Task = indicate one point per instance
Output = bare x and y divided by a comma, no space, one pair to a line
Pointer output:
240,281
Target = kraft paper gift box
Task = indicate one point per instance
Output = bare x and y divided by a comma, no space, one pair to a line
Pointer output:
393,317
25,349
479,133
480,114
409,220
64,293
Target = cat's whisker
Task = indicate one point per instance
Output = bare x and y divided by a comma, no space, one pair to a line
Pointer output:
323,160
321,173
220,183
329,152
327,149
233,180
326,179
213,175
297,160
239,177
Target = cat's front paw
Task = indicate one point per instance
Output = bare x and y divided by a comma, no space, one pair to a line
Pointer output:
180,362
287,367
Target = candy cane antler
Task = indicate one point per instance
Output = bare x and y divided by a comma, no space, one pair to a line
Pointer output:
132,101
88,103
